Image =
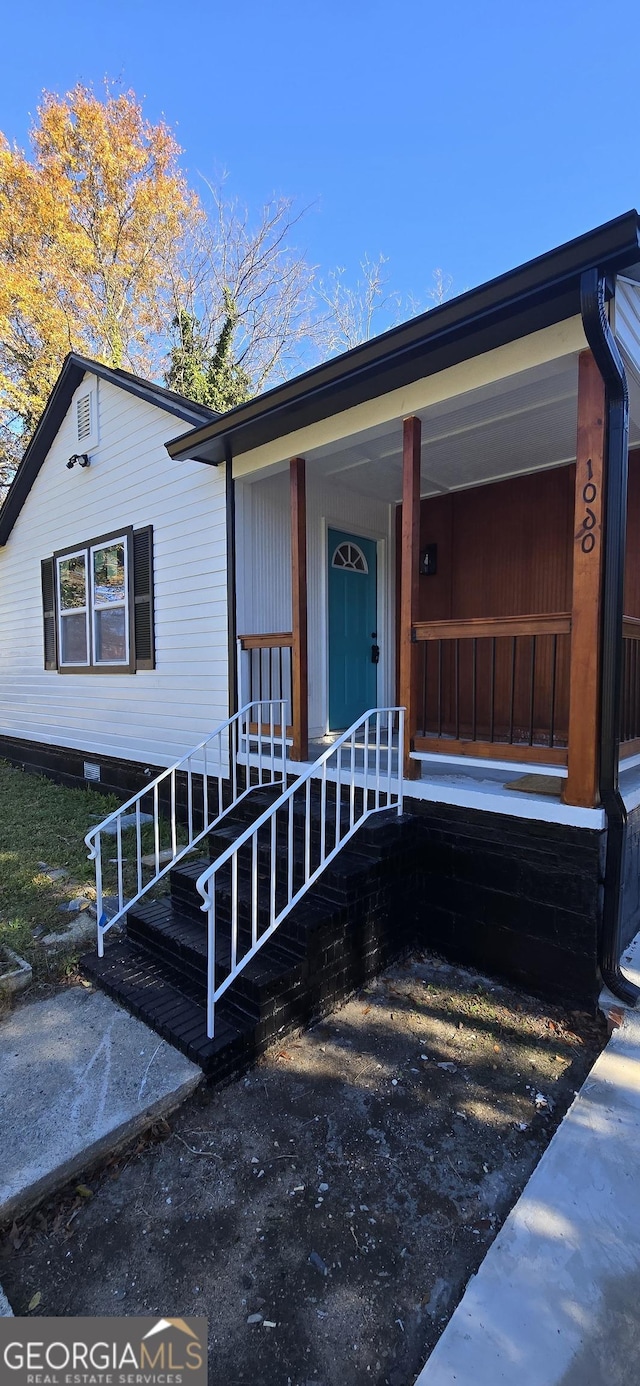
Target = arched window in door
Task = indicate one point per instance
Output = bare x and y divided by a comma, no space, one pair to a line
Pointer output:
350,556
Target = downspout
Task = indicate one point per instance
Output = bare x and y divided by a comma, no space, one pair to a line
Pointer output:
230,491
601,340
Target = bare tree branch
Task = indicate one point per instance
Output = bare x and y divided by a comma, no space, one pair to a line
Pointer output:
354,314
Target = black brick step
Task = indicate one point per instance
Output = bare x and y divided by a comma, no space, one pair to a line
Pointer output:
356,917
366,852
181,943
147,990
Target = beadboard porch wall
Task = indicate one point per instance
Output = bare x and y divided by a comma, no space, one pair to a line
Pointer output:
263,537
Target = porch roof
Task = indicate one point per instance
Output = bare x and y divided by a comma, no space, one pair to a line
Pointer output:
520,423
536,295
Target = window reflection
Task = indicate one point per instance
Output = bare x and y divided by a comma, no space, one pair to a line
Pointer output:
73,582
109,574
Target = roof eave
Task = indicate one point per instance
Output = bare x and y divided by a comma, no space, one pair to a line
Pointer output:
535,295
72,373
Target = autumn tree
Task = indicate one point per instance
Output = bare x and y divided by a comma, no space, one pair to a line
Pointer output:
91,228
105,250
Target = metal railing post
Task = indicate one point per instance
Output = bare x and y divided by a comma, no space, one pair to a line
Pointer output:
239,672
99,897
211,961
283,730
400,766
233,729
268,820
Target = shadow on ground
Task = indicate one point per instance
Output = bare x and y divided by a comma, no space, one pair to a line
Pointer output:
326,1211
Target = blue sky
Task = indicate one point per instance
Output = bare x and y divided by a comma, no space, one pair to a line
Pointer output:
459,135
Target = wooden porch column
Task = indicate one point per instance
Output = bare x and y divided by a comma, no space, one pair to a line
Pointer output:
299,671
581,785
409,560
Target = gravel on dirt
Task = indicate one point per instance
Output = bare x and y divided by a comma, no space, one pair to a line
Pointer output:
324,1212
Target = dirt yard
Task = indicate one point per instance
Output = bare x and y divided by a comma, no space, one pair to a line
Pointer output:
326,1211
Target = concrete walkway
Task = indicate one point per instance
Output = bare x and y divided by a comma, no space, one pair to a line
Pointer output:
78,1076
555,1302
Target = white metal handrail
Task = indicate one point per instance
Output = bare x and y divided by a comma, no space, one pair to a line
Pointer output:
221,757
381,787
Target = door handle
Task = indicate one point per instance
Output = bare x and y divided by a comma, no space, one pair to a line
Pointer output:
375,654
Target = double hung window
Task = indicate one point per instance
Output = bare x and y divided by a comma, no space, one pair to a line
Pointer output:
98,605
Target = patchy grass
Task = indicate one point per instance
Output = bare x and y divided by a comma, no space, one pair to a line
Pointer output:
44,825
42,822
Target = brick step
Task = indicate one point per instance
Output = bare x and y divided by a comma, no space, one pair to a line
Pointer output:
163,995
181,942
251,808
348,925
365,852
238,821
332,886
148,990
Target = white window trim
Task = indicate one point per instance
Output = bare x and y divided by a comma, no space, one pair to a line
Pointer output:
87,550
73,611
110,606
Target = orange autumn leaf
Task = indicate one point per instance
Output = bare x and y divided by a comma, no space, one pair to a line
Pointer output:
92,223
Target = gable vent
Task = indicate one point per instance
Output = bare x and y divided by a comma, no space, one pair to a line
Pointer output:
84,417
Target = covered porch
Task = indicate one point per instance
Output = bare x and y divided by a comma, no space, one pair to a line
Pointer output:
448,560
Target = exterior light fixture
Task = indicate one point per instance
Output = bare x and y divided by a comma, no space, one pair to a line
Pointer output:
429,561
81,458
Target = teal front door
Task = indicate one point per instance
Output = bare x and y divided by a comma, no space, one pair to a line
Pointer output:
353,638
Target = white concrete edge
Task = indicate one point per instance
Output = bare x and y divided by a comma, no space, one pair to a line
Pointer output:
611,1006
538,808
514,804
55,1179
629,763
464,1322
631,800
512,767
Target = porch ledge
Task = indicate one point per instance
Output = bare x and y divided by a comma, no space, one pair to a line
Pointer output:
470,783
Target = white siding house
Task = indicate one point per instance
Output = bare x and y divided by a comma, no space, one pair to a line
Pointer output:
150,715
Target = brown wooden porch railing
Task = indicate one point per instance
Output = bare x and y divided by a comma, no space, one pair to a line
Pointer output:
494,682
630,692
266,675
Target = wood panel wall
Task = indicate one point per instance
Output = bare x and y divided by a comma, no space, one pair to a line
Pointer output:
632,564
503,550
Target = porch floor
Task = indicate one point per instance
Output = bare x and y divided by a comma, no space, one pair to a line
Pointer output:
487,785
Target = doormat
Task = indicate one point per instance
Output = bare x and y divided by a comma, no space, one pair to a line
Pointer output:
537,784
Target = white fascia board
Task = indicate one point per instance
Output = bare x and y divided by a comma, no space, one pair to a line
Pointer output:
549,344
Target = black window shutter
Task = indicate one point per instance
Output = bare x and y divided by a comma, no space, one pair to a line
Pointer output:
143,597
47,576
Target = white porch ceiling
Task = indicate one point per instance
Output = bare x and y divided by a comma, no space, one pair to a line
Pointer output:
524,423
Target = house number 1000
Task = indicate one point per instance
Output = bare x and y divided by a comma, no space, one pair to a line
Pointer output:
589,495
